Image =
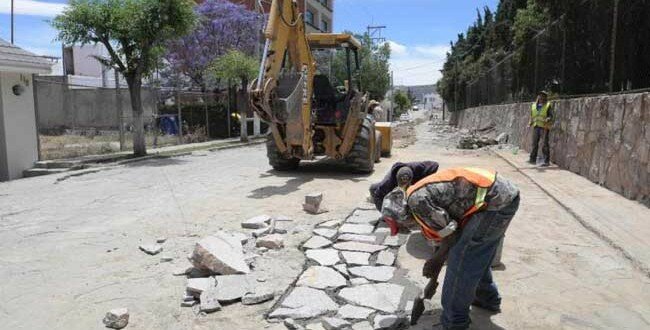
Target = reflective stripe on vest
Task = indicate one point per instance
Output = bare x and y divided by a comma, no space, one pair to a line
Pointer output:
539,117
481,178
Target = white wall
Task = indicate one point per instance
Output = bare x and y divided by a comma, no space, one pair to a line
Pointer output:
18,134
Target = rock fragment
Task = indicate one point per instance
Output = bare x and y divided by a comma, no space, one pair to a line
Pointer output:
356,258
386,258
316,242
273,241
353,228
393,241
258,297
373,273
326,232
220,254
333,323
292,325
324,257
369,217
329,224
304,303
151,249
385,297
313,203
197,285
232,287
359,247
116,318
358,238
209,300
257,222
351,312
386,321
320,277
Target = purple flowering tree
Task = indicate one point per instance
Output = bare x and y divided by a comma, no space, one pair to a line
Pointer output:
222,26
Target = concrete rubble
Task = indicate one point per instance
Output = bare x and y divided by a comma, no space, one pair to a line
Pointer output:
304,303
475,142
220,254
116,318
258,296
210,300
273,241
386,321
257,222
313,202
232,287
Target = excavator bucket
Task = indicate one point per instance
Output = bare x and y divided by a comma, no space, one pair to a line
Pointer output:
287,107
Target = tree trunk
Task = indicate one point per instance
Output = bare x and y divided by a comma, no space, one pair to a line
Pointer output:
135,89
242,99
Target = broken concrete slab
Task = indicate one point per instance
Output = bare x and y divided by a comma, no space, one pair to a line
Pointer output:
369,217
259,296
359,247
387,321
334,323
324,257
303,303
116,318
353,228
351,312
316,242
326,232
358,238
356,258
359,281
257,222
329,224
273,241
381,296
151,249
373,273
320,277
220,254
365,325
197,285
386,258
209,300
232,287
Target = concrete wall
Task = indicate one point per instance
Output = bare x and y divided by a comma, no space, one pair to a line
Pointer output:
60,106
18,139
603,138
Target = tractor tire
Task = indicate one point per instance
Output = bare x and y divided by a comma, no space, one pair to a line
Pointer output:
276,160
361,157
378,146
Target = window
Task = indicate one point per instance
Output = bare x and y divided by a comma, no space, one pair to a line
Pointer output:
309,17
324,2
325,26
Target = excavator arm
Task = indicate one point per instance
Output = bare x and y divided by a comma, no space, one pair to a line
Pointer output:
282,93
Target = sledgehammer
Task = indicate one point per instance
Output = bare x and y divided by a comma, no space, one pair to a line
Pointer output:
431,270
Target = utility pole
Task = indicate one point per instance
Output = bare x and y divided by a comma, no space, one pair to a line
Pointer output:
392,96
375,33
612,57
12,22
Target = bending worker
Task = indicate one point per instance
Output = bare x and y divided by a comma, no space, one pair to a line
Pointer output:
418,171
467,211
541,120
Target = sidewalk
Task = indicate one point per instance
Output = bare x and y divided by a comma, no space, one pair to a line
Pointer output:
620,222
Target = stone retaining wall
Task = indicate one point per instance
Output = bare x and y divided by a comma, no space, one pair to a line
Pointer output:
604,138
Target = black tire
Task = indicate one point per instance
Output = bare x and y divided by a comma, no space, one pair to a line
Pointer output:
276,160
361,157
377,146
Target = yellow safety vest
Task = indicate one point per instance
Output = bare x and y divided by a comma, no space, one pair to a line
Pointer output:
481,178
538,118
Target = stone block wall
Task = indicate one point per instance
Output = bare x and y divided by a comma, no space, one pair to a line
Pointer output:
603,138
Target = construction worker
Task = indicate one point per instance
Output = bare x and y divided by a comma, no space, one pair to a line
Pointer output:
418,170
541,120
466,211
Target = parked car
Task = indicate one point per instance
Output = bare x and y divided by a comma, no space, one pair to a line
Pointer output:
405,117
415,108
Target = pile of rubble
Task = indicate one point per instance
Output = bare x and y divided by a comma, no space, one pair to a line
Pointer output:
223,265
473,141
350,280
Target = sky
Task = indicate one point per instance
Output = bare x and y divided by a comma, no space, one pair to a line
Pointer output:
418,31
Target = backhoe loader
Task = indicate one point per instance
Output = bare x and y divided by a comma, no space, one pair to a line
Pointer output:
308,117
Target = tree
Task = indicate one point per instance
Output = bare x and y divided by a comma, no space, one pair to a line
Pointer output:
402,101
222,26
133,32
235,66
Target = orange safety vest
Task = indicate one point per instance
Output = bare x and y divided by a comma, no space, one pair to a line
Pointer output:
481,178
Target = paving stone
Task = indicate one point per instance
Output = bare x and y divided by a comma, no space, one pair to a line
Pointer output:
151,249
273,241
320,277
259,296
324,257
220,254
373,273
292,325
352,312
343,269
359,247
370,217
257,222
326,232
232,287
334,323
116,318
365,325
358,238
354,228
386,258
316,242
386,321
210,300
381,296
315,326
329,224
197,285
392,241
356,258
359,281
305,303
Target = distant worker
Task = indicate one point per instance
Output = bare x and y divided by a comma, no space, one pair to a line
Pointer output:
541,120
418,170
466,211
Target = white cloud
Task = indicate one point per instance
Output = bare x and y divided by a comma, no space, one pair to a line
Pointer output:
418,64
32,7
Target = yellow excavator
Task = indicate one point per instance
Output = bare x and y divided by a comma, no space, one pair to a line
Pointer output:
308,116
